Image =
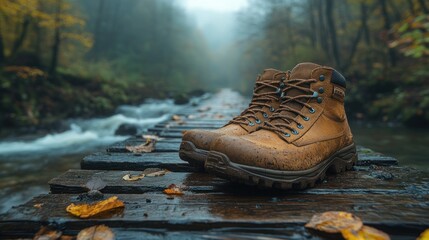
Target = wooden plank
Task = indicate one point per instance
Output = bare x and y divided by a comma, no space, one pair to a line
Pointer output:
130,161
381,180
159,147
206,211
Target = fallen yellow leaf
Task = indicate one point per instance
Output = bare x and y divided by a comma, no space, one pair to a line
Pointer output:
173,190
99,232
88,210
334,222
424,235
365,233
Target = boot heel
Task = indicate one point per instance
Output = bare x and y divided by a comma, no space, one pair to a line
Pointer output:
344,161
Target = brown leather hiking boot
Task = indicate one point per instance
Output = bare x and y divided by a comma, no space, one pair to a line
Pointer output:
306,136
196,143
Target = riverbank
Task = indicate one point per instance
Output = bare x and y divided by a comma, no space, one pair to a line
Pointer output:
34,103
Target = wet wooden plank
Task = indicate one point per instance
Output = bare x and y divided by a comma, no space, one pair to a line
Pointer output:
381,180
130,161
159,146
205,211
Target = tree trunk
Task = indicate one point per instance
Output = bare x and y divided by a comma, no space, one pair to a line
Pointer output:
387,27
57,40
411,7
313,29
332,32
97,30
18,42
2,58
322,29
424,6
364,23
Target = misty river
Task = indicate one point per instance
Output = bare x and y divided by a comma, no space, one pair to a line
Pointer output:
27,166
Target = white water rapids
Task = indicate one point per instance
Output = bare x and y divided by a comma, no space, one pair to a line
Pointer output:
87,134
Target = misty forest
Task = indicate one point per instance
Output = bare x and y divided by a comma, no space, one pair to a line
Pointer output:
64,59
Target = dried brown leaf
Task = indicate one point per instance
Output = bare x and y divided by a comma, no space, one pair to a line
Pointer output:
46,233
88,210
334,222
130,177
99,232
176,118
148,146
38,205
173,190
365,233
154,137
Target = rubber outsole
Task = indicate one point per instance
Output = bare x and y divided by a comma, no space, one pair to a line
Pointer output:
220,165
194,156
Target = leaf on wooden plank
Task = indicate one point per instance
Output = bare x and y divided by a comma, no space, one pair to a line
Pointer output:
173,190
424,235
46,233
155,172
95,183
99,232
176,118
38,205
365,233
130,177
334,222
153,137
88,210
147,147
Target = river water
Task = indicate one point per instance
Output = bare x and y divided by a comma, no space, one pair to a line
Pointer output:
27,166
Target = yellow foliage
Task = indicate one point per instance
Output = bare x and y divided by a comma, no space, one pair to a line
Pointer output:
365,233
86,210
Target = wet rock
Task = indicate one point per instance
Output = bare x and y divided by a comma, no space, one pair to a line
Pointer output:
126,129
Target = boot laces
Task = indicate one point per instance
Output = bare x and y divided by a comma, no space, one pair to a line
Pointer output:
260,100
282,121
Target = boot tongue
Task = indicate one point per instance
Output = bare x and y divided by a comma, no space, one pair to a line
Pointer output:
300,71
269,75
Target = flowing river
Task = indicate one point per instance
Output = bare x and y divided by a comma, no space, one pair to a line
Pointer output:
27,166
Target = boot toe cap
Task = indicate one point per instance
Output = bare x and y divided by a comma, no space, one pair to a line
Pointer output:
202,139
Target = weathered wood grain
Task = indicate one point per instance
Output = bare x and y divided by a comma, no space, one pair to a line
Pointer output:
375,180
130,161
207,211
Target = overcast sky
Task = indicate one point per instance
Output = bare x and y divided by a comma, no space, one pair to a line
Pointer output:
214,5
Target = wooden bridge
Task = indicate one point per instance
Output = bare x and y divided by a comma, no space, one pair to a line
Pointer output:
386,196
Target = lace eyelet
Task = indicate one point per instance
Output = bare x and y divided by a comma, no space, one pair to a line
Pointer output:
278,90
251,124
295,132
258,121
305,118
312,110
287,134
319,100
300,126
272,109
265,115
